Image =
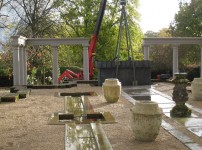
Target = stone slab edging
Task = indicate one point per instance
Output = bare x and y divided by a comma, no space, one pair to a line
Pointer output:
168,127
180,136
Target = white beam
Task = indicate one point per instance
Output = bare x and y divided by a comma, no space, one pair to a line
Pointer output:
57,41
172,40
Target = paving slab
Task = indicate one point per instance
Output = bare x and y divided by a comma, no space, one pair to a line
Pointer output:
193,123
161,100
166,106
196,130
193,146
190,122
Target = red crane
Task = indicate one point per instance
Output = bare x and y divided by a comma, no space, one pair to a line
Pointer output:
91,50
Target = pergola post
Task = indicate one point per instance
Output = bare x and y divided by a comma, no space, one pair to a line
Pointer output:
175,59
85,63
19,60
16,65
55,64
23,66
201,63
146,52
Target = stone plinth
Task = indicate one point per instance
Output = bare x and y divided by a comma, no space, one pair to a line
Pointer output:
196,88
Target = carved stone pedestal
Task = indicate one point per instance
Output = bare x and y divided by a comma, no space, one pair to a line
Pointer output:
180,96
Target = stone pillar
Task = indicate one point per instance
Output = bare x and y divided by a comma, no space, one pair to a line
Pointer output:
19,74
175,60
24,66
201,62
85,63
55,64
21,65
16,65
146,52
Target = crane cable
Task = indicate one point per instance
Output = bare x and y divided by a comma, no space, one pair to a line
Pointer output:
124,22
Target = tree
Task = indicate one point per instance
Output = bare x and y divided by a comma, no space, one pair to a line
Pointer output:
80,17
72,18
3,15
6,60
187,23
35,17
160,55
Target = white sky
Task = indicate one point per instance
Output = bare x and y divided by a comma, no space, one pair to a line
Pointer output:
157,14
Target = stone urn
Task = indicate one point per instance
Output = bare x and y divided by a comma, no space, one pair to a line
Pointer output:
196,88
146,122
111,89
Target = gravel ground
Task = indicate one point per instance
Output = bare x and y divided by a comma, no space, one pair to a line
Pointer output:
23,125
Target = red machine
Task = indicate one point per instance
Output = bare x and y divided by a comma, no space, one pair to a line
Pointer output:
70,75
91,50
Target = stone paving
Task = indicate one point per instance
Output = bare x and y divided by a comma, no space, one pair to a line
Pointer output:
193,123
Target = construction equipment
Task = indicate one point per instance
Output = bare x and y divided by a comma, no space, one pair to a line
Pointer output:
94,38
68,74
91,51
124,24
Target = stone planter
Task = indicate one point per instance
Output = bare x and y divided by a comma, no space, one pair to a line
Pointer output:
111,89
147,118
196,88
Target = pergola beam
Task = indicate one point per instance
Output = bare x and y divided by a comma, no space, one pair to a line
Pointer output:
175,42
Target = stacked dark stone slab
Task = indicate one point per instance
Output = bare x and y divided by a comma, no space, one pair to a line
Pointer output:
16,93
11,97
107,69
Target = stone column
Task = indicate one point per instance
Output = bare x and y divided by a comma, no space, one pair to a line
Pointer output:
18,59
201,62
146,52
175,59
85,63
24,66
55,64
16,66
21,65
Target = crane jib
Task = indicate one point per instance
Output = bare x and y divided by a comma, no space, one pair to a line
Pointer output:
100,17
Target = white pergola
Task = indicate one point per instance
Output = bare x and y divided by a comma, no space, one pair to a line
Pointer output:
175,42
19,44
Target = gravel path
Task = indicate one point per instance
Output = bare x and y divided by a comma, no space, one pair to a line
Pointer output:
23,125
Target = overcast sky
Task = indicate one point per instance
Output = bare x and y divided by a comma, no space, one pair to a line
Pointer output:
157,14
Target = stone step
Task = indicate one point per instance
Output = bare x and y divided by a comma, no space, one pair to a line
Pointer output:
24,93
11,97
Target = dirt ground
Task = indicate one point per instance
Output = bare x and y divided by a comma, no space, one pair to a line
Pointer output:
23,125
